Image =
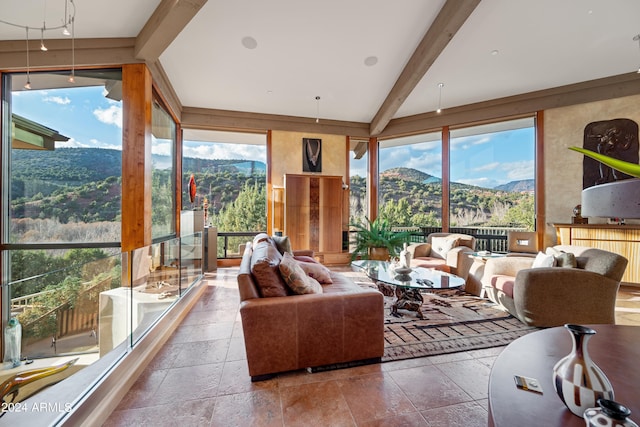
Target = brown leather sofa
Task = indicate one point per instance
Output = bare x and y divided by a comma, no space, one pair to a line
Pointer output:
342,325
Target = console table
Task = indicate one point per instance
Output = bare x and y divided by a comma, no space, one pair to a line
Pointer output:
621,239
614,348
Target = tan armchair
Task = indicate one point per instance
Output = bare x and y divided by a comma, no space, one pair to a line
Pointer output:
438,253
553,296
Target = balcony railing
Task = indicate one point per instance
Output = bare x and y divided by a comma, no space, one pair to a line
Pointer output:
493,239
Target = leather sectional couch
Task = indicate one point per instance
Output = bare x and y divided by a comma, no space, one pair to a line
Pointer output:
339,326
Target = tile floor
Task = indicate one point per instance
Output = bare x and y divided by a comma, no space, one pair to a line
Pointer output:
200,378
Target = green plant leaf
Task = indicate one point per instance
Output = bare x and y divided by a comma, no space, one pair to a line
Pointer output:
617,164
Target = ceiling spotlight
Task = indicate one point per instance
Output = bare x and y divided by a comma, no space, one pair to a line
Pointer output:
370,61
249,42
439,110
495,52
65,31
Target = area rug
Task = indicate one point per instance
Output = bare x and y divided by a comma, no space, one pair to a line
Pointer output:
453,321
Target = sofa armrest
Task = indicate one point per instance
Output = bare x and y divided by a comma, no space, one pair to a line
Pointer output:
299,331
553,296
419,250
505,266
459,261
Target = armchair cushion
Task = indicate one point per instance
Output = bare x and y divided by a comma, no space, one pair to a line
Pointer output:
543,260
440,246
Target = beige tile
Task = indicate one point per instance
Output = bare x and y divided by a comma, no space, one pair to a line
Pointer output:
470,375
373,397
236,379
407,363
210,331
463,414
414,419
201,353
451,357
237,350
315,404
428,387
165,357
143,391
189,383
184,413
256,408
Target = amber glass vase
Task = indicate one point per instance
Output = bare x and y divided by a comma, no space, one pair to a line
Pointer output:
576,378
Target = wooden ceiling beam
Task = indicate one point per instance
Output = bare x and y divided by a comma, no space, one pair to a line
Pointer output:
449,20
164,25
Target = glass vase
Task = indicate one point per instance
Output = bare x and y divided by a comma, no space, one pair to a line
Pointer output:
578,381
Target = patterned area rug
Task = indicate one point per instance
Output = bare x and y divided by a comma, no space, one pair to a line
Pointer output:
453,321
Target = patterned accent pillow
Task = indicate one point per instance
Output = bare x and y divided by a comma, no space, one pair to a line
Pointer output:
316,271
295,277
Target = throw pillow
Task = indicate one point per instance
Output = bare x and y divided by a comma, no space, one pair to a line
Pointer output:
441,245
543,260
317,271
268,279
283,244
296,278
562,258
260,237
305,258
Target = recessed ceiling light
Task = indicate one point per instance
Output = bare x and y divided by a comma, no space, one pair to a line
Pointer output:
249,42
495,52
370,61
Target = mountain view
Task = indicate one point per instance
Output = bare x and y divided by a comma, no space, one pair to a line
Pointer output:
84,184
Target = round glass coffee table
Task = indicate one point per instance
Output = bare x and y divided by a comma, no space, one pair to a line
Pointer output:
407,286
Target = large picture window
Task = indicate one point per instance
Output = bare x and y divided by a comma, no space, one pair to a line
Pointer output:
410,185
65,158
492,175
163,189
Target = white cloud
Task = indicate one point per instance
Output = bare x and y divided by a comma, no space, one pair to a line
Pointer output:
72,143
57,100
487,167
517,171
206,150
465,142
111,115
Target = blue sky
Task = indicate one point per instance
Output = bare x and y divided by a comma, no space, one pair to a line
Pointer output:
92,120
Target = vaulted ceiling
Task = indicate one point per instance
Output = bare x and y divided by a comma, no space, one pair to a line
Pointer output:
368,61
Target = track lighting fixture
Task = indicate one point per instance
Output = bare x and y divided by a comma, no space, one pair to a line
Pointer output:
317,109
67,20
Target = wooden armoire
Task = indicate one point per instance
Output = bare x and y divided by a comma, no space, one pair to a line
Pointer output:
313,212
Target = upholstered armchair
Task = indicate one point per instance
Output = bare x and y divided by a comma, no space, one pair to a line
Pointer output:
553,296
444,251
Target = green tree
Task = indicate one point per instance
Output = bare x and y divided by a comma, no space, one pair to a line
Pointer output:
247,212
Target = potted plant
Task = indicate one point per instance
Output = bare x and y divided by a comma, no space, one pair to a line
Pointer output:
376,240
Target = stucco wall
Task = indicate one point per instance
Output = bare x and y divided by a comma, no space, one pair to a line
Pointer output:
563,128
286,154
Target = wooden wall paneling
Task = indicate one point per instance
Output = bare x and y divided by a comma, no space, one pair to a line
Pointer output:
331,196
296,211
136,156
620,239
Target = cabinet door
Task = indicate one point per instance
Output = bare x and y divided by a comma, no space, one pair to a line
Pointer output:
330,218
296,215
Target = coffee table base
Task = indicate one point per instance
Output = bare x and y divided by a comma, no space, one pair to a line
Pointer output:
406,299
